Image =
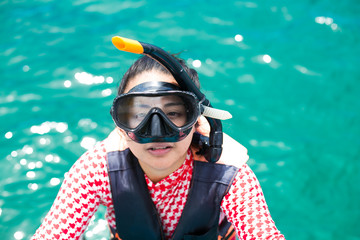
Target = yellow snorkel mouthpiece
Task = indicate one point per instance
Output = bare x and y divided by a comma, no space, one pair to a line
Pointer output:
127,45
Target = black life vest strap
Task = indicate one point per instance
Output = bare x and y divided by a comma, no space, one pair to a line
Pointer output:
135,212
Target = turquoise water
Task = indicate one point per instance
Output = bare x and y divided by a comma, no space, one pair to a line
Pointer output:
287,71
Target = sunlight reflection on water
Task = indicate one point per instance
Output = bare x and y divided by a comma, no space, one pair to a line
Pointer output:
288,74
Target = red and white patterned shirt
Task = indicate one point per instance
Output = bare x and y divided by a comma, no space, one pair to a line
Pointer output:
86,186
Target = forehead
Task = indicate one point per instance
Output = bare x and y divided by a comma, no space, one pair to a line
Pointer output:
150,76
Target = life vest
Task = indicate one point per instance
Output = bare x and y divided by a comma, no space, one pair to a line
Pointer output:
136,214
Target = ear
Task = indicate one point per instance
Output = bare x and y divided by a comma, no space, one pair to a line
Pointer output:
202,126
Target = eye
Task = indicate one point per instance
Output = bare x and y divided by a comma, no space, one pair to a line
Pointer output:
173,114
140,116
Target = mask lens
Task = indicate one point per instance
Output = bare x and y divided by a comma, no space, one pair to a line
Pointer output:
176,110
179,108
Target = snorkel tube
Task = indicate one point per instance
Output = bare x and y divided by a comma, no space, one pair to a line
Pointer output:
213,151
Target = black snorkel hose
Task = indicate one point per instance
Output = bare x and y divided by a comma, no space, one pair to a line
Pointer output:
212,152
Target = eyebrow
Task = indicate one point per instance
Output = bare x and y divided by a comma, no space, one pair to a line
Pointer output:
142,105
174,104
166,105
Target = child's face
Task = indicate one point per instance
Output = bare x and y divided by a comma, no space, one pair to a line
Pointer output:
158,158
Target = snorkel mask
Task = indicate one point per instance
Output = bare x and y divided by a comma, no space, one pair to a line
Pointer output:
142,112
156,112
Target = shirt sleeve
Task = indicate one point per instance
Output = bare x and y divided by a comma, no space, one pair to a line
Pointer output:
85,186
245,207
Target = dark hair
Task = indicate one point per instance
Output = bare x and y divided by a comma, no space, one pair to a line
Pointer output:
145,63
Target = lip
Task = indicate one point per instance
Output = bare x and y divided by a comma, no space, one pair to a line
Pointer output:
159,149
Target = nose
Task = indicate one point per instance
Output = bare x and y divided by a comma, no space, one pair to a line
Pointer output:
157,128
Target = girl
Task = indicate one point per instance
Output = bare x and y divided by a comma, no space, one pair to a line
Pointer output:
155,183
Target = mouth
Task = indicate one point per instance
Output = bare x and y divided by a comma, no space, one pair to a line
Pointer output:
159,149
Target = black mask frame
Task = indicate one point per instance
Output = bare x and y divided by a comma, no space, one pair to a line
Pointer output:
156,126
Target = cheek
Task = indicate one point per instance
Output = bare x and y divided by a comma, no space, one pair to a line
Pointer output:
136,148
185,143
133,146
